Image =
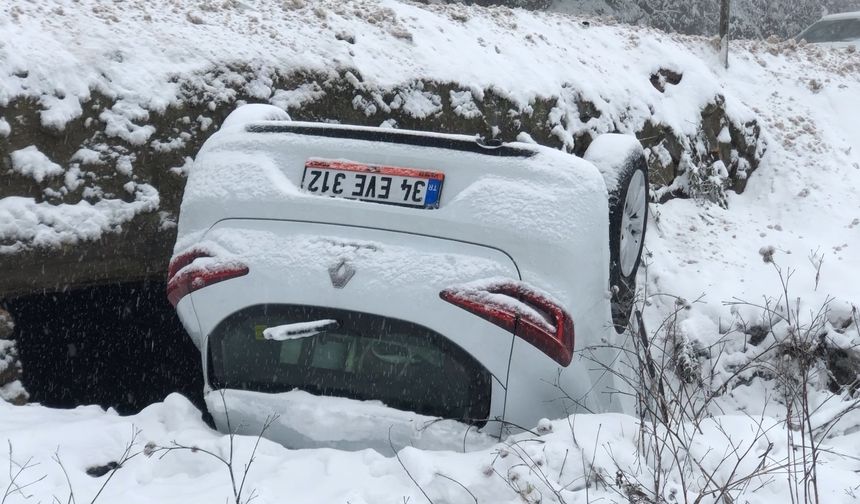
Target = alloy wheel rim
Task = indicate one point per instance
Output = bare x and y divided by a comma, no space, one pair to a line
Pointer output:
632,223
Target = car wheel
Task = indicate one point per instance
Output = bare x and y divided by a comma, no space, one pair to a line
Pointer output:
628,215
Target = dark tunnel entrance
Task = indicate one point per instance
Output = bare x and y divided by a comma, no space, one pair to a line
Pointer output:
119,346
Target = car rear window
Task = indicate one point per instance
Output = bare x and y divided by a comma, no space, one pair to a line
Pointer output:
835,30
404,365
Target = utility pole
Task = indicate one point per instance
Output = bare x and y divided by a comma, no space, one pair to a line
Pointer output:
724,32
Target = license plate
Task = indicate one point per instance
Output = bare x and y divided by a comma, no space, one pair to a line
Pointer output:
380,184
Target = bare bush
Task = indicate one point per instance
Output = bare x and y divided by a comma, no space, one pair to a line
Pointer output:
19,477
237,479
678,385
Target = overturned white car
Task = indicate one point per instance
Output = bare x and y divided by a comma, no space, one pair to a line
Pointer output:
364,283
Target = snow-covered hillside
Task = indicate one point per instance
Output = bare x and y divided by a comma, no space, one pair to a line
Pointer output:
710,270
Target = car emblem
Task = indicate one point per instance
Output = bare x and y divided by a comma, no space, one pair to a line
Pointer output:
340,274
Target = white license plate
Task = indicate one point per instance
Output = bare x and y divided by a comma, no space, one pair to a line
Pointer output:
381,184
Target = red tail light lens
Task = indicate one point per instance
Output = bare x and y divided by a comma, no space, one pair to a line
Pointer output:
521,310
184,277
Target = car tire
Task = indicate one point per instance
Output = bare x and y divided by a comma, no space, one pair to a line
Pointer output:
625,171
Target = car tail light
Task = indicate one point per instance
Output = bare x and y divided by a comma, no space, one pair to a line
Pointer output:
184,277
521,310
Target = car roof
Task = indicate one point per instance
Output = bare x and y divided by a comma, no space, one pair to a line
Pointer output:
841,15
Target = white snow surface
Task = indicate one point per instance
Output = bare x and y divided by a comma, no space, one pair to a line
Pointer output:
254,112
609,153
132,52
385,266
801,203
310,420
25,223
12,391
569,453
31,162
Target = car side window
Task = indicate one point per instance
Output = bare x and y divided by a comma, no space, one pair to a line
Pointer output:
840,30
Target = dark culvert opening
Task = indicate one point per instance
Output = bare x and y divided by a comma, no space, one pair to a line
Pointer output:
118,345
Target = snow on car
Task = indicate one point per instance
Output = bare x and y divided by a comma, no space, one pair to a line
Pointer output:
402,284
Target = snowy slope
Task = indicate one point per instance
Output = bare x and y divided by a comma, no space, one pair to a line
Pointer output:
802,202
59,52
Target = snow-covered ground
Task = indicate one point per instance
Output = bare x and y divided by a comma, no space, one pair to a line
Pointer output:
800,208
569,460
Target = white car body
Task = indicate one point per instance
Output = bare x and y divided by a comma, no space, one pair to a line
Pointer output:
520,212
835,30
